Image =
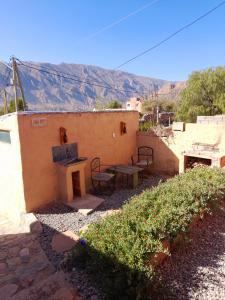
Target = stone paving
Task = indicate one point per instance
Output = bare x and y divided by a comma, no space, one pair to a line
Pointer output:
25,271
64,241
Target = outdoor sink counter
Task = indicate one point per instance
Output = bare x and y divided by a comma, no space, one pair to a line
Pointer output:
71,161
71,179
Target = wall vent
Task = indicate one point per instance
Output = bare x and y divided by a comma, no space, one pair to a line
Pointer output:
39,122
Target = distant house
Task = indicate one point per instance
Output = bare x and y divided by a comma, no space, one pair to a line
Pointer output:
134,104
165,118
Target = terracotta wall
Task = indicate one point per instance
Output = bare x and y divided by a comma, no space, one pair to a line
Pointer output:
97,134
168,152
11,183
164,159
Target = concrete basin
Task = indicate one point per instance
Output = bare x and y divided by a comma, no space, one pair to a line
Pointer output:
71,161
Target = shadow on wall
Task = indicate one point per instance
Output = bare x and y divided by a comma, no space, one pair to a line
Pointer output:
165,161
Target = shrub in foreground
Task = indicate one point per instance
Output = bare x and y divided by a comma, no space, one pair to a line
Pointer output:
119,248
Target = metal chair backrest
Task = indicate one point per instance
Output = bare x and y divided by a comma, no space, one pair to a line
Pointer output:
95,165
145,152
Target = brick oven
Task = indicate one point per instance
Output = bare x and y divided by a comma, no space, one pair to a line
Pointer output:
203,154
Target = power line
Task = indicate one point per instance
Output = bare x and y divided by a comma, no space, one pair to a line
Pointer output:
58,74
171,35
68,76
6,65
7,78
7,70
49,69
107,27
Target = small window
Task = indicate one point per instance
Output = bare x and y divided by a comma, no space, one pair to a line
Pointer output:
5,136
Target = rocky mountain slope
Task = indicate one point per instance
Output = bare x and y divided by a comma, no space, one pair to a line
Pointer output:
45,91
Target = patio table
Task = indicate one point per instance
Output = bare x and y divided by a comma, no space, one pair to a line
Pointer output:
129,171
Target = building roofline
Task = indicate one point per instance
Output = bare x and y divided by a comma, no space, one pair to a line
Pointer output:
22,113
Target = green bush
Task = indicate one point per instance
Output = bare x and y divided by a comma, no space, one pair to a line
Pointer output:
146,126
119,248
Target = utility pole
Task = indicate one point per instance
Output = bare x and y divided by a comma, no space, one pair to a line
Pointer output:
21,87
14,81
157,114
5,102
17,80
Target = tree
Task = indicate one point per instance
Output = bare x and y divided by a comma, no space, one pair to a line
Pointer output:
204,95
20,106
163,104
114,104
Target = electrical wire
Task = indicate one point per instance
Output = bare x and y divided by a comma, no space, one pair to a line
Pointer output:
7,78
59,74
49,69
6,75
68,76
171,35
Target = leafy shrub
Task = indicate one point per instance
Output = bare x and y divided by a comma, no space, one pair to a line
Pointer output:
120,247
146,126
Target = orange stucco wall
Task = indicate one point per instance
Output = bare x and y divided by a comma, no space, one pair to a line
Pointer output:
11,182
97,134
168,152
164,159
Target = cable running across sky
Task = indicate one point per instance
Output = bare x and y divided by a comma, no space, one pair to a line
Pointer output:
171,35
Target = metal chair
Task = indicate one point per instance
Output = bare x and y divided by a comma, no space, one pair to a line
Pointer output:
99,177
143,159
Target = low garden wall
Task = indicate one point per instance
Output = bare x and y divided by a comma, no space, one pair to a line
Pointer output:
169,149
126,247
165,159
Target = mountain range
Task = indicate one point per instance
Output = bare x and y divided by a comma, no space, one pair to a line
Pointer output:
81,87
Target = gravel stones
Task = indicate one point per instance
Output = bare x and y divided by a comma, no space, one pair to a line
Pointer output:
13,263
8,290
58,218
3,255
196,271
3,268
24,255
13,251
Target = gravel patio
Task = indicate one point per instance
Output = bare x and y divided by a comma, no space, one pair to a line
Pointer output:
195,271
58,218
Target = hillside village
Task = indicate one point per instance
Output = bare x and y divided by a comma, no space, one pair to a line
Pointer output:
112,185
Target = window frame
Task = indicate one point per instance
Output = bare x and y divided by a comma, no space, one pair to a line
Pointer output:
8,139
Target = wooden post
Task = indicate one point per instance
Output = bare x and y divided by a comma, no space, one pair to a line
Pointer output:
20,85
15,82
5,103
157,114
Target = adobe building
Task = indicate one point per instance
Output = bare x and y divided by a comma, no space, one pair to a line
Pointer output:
134,104
33,143
34,147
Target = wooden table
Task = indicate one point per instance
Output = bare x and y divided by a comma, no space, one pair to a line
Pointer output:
129,171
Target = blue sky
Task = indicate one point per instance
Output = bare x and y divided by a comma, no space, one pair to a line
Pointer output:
56,31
